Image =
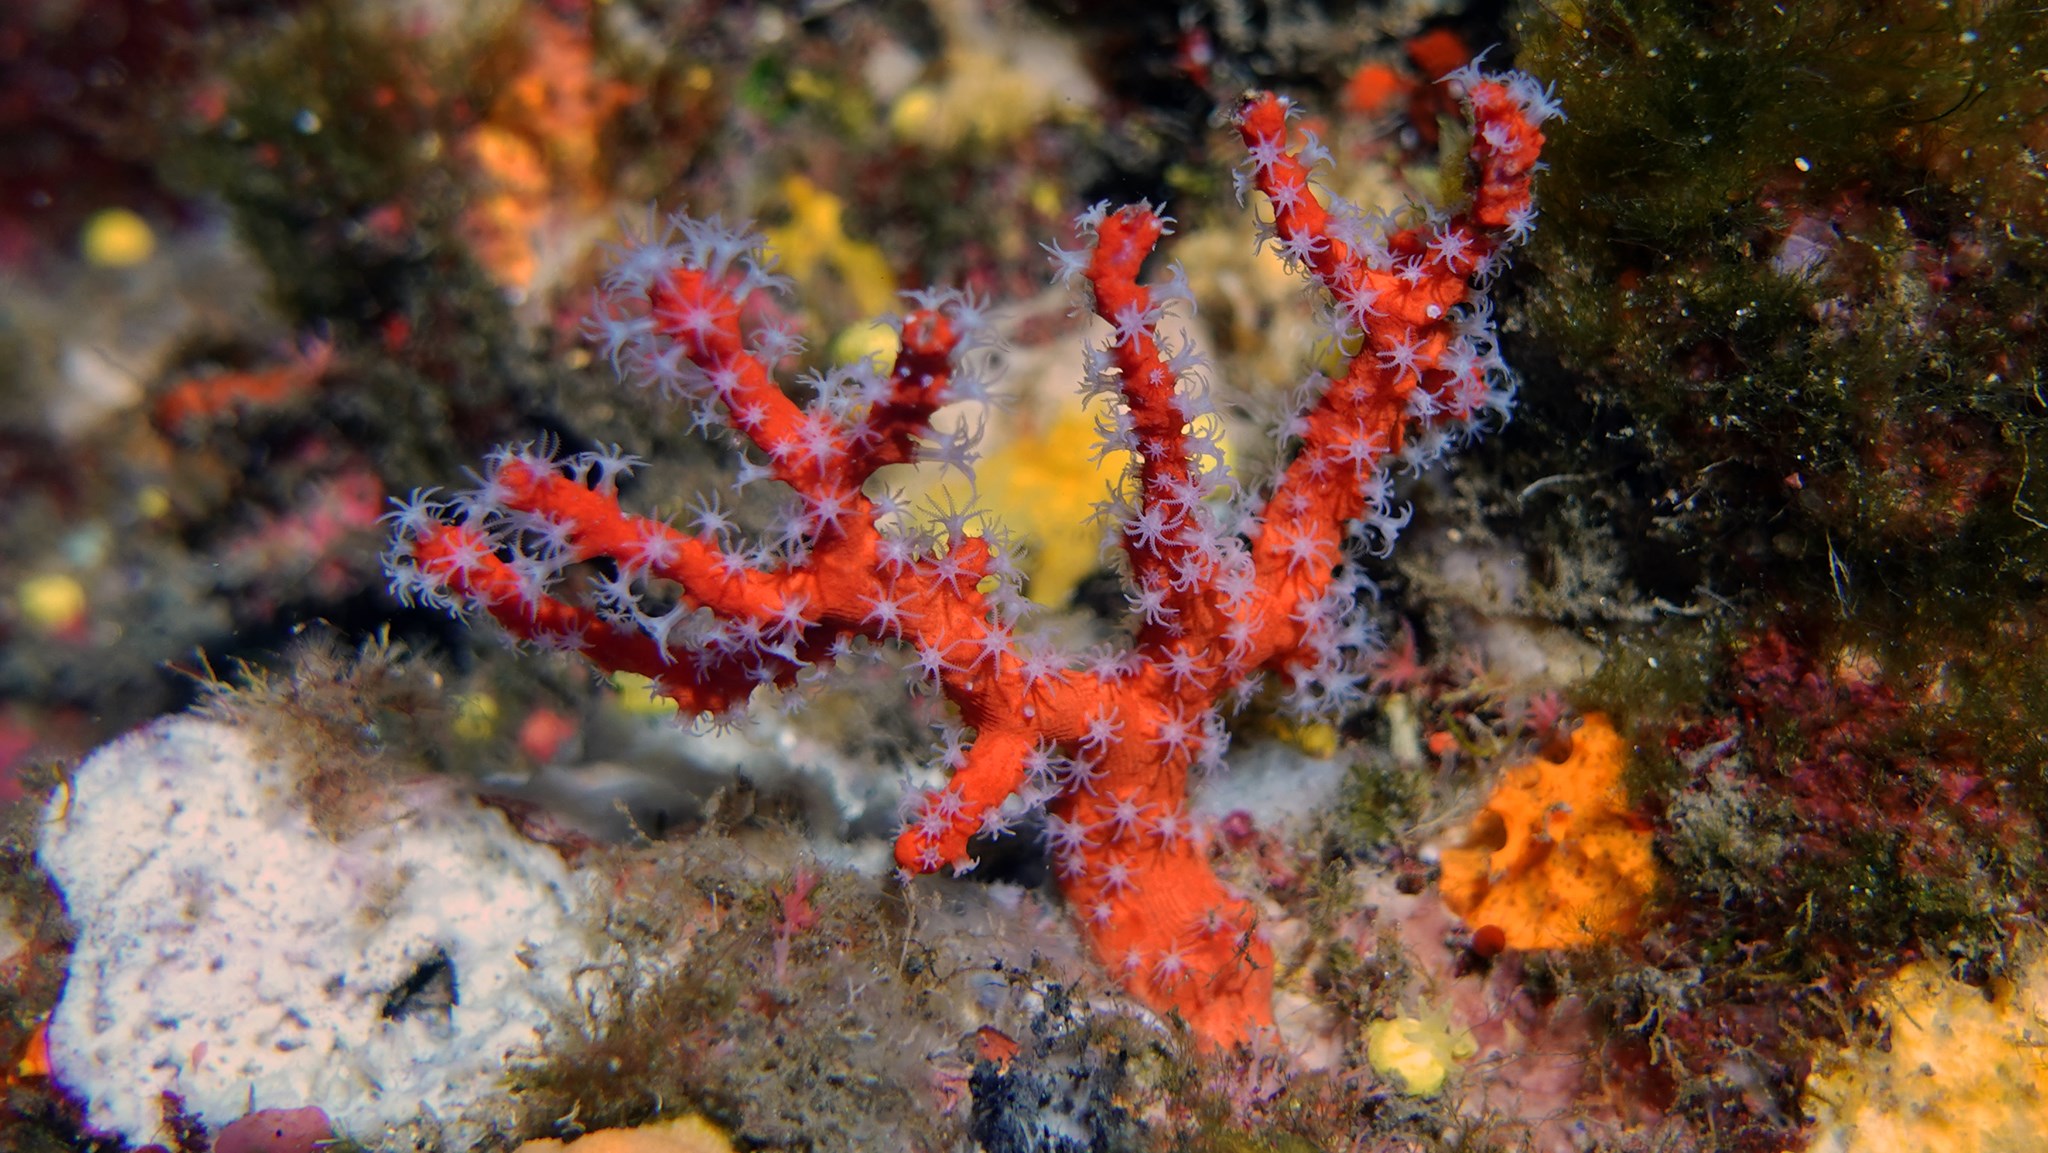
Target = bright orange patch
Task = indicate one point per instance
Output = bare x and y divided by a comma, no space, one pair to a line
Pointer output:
1555,859
219,397
1376,90
994,1045
1438,52
538,151
35,1057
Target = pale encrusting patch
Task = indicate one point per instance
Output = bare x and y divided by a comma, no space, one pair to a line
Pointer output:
232,955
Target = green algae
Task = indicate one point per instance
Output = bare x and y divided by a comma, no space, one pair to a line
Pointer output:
1790,272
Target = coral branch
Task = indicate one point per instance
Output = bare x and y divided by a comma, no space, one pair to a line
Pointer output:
1219,592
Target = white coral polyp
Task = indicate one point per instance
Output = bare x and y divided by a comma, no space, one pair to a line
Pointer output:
232,955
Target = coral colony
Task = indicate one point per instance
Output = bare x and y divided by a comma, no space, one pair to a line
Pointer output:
1223,587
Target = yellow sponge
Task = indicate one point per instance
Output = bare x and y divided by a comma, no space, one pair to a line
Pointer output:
681,1135
1417,1052
1965,1073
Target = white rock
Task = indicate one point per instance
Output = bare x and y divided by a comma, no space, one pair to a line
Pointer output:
230,953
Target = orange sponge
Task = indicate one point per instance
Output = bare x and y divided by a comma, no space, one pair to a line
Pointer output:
1555,860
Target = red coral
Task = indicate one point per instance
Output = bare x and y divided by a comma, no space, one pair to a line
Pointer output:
198,399
1105,744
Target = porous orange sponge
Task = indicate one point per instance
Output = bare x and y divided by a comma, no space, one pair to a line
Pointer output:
1556,860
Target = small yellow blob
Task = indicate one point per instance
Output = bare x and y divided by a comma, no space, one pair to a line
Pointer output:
1316,738
117,238
637,696
152,502
914,113
815,238
1418,1052
865,341
1043,487
52,602
805,84
1047,198
476,716
682,1135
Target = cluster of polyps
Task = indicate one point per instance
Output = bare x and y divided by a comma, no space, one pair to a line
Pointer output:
1222,588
